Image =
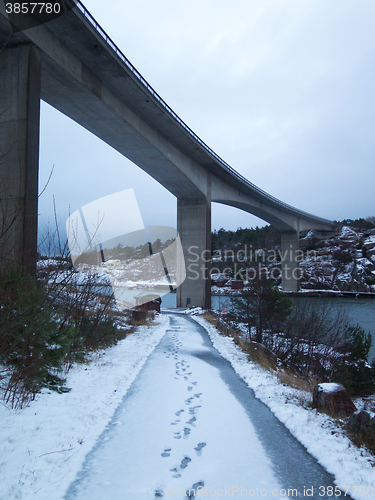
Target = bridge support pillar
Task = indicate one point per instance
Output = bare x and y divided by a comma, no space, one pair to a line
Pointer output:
290,270
20,84
194,228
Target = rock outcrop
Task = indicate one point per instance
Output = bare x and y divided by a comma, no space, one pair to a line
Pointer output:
362,421
333,399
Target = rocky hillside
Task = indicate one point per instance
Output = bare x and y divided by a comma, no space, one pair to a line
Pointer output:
343,263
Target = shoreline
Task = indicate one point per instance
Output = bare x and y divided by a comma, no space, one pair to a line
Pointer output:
309,293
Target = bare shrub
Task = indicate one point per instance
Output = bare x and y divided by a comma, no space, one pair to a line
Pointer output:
311,338
49,321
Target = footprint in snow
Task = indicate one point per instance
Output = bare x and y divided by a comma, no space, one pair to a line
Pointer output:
176,474
166,452
191,492
184,462
186,432
199,448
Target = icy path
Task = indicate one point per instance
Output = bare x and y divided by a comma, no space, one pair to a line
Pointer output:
189,422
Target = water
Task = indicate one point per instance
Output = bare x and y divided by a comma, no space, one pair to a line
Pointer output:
361,310
168,301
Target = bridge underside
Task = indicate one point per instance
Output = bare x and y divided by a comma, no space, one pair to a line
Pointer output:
73,69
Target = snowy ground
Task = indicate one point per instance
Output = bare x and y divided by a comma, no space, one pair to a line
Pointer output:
322,436
43,447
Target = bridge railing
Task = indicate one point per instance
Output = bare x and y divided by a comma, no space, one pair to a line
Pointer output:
86,14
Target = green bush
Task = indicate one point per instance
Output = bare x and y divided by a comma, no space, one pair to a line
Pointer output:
260,305
353,370
370,280
33,342
99,331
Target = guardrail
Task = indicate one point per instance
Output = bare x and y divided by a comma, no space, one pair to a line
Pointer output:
86,14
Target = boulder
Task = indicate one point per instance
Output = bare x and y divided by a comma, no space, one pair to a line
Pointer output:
369,244
362,421
333,399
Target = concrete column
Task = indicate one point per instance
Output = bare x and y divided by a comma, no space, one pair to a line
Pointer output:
290,270
194,228
20,84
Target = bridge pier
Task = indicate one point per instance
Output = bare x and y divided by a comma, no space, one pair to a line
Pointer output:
290,270
194,228
20,87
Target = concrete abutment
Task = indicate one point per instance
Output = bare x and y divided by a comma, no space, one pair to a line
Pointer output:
20,88
290,269
194,228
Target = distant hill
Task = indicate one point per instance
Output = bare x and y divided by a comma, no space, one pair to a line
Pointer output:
343,263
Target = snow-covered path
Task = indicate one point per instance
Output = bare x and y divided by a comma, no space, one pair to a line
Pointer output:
189,422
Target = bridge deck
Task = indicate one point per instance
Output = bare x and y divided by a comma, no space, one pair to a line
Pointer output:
81,66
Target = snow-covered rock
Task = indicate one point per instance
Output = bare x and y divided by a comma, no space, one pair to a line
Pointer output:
333,399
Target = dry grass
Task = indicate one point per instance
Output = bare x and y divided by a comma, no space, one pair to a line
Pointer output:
141,318
268,360
296,381
263,357
210,318
219,324
364,437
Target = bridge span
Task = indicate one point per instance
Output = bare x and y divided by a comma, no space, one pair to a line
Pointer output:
72,64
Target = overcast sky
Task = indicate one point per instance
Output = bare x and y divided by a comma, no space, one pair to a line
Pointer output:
282,90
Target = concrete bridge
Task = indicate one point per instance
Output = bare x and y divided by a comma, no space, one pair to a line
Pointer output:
73,65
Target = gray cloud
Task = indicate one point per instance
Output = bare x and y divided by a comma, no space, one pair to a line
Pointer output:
281,89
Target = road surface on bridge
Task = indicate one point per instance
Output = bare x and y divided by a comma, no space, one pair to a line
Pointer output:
190,424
